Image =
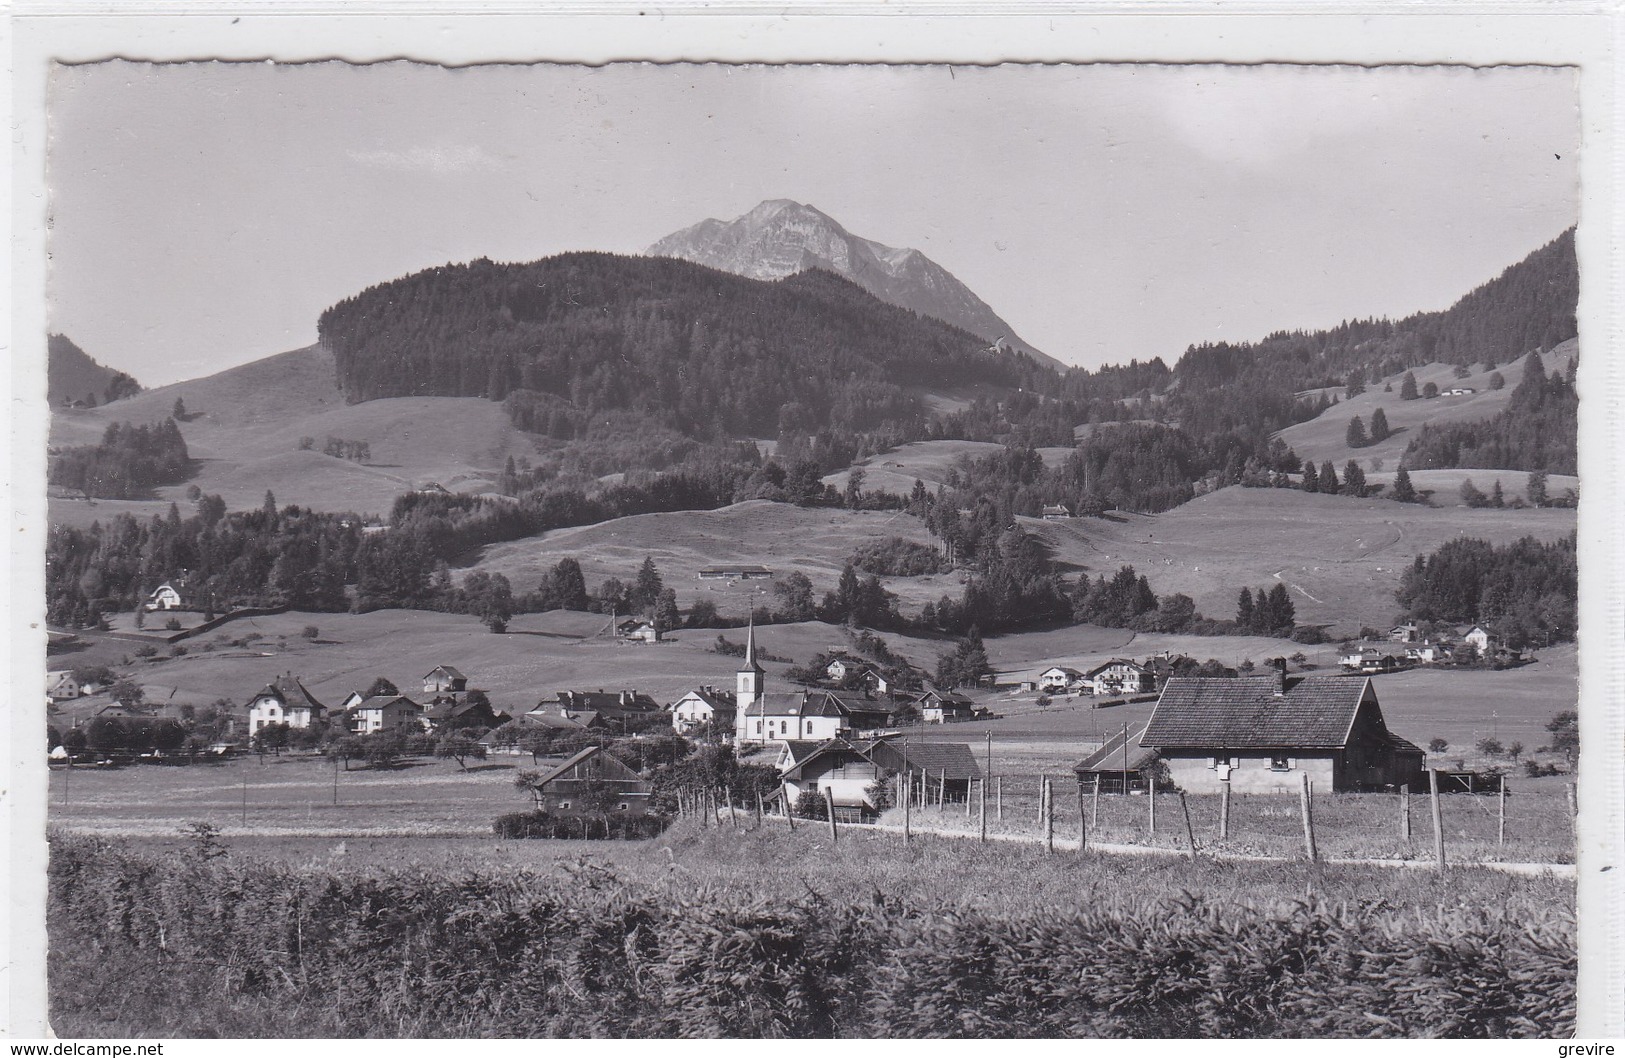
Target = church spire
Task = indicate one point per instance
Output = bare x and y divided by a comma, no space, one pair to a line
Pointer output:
750,643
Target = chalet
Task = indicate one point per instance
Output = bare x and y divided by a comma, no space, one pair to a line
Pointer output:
443,679
1120,765
611,705
1405,633
794,751
283,701
734,573
1479,638
385,713
1263,734
1058,679
593,782
637,630
170,595
705,708
457,713
1055,513
1427,652
839,668
944,707
870,678
60,686
1121,676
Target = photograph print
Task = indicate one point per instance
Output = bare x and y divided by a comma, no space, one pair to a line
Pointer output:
746,550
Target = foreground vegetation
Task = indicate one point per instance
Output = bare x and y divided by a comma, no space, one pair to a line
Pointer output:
674,938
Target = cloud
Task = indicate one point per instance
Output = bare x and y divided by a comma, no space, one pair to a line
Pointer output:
439,161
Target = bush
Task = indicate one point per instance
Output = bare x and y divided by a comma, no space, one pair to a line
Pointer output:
611,826
172,624
310,632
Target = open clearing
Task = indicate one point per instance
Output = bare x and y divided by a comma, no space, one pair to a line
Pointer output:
1322,438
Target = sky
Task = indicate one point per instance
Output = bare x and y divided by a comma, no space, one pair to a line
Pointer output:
203,215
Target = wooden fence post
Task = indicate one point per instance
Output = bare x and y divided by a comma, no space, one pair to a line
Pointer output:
982,810
1438,818
908,806
829,805
942,789
733,820
1224,809
1190,835
967,797
1405,812
1083,821
1049,817
1501,813
998,796
784,799
1308,822
759,812
1094,796
1151,803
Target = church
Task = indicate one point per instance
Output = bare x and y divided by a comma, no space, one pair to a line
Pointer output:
808,715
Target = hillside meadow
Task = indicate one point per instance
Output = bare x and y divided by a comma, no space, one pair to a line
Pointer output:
1325,436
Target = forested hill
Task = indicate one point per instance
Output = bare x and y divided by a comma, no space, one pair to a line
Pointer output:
703,351
1530,305
73,375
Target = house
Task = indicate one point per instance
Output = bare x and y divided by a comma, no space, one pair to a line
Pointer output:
944,707
457,713
637,630
611,705
734,573
1379,663
1355,658
170,595
1428,652
443,679
1058,679
283,701
593,782
60,686
702,709
1405,633
850,768
948,767
1121,676
434,488
553,721
1056,513
871,678
385,713
1263,734
1479,638
1120,765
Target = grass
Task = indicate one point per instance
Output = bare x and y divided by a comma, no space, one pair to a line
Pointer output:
928,461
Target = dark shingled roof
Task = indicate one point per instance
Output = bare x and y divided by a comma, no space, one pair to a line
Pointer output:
1316,712
933,758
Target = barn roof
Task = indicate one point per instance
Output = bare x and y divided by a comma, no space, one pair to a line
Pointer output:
1315,712
447,671
611,767
934,758
1109,757
383,702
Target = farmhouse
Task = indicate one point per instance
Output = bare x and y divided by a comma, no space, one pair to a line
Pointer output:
704,708
1057,679
384,713
1120,765
611,705
848,768
1263,734
1121,676
637,630
1055,513
593,782
283,701
944,707
60,686
1378,663
1479,638
170,595
948,767
443,679
1405,633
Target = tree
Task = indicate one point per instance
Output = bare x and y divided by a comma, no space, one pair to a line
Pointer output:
1497,497
1498,381
1355,436
1379,426
178,413
1490,747
1353,479
127,691
853,496
1403,490
565,586
1438,745
795,596
966,664
646,588
1430,390
1282,614
1536,489
1244,608
1565,732
667,616
1407,387
1311,478
1328,477
459,747
1471,495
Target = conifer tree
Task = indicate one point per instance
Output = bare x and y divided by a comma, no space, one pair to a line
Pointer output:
1328,477
1355,436
1403,491
1379,426
1536,489
1407,387
1244,608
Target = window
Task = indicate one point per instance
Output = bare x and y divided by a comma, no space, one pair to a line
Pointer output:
564,805
1280,762
620,807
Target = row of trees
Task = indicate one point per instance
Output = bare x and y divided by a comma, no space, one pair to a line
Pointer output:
1526,591
127,462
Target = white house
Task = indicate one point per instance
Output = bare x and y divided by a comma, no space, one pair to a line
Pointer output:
638,630
703,707
168,596
1427,652
1479,638
944,707
1358,656
1058,678
60,685
283,701
443,679
1055,513
1121,676
839,668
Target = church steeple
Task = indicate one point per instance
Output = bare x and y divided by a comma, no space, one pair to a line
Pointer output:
749,686
750,644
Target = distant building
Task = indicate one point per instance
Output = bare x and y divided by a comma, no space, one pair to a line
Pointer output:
944,707
1120,765
638,630
1121,676
734,573
1479,638
60,686
1058,512
593,782
1263,734
170,595
848,769
1405,633
702,708
283,701
385,713
1058,679
1427,652
443,679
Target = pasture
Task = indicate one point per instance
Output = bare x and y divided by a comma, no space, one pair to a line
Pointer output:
896,470
1324,437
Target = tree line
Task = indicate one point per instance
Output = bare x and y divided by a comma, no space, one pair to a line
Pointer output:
128,461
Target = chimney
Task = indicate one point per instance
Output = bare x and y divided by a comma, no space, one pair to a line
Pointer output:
1280,677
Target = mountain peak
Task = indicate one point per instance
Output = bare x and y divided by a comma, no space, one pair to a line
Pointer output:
780,237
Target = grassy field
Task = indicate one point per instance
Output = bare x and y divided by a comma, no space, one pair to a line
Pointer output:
928,461
244,427
1322,438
